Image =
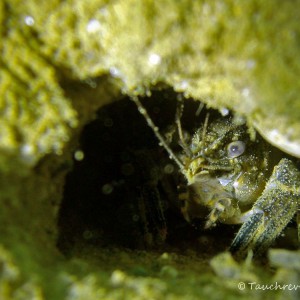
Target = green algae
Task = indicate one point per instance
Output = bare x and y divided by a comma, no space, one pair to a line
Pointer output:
61,60
36,118
242,56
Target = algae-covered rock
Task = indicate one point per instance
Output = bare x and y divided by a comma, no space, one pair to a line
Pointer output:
241,56
36,117
62,60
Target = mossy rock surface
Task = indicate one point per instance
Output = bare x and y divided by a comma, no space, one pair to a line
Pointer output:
61,61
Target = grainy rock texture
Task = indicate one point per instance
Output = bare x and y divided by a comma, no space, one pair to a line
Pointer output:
62,60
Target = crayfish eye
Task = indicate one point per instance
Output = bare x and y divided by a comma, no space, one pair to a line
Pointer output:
235,149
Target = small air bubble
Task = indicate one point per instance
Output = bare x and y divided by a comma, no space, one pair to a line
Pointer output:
224,111
93,26
169,169
29,20
79,155
115,72
107,189
135,218
118,277
246,92
183,84
154,59
250,64
87,234
27,150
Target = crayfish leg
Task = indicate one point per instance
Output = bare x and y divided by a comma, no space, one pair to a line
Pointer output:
274,210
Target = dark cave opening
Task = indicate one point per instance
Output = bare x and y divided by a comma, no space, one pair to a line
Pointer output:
118,162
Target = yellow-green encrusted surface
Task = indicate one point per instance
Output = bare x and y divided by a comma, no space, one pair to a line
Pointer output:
239,55
61,60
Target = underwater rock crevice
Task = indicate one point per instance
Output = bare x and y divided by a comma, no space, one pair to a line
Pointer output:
118,155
